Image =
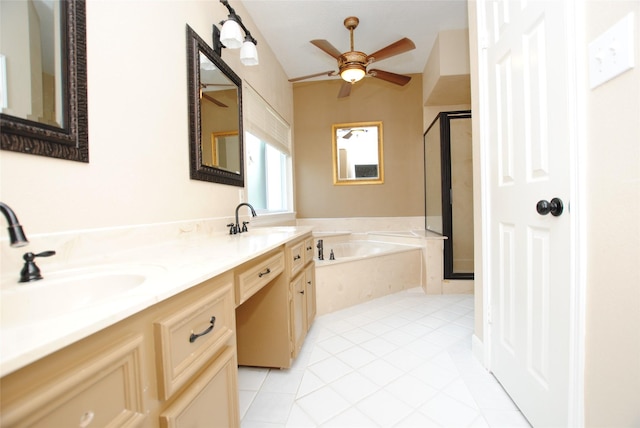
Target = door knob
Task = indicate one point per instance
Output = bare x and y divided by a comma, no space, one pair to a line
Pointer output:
555,207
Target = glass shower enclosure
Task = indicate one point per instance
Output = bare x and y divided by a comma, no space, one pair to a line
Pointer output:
448,181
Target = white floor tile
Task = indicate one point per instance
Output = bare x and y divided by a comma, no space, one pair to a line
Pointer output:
449,412
330,369
505,419
352,418
323,404
272,407
354,387
384,408
380,372
356,357
410,390
251,378
403,360
286,381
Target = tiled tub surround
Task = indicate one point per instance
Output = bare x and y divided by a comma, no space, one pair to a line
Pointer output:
399,230
174,257
363,270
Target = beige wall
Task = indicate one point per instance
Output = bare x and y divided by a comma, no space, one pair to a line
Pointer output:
612,190
399,108
138,125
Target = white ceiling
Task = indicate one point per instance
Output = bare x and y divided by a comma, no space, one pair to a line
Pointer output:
288,25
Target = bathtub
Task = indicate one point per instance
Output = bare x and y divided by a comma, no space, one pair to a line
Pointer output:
363,270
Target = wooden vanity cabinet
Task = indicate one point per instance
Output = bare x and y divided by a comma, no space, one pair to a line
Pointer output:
272,323
113,378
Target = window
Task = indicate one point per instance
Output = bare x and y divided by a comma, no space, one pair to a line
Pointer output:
268,156
267,175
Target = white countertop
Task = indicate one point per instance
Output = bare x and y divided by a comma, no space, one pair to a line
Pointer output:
170,268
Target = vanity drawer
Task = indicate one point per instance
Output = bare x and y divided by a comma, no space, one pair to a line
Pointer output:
252,279
296,254
308,250
188,338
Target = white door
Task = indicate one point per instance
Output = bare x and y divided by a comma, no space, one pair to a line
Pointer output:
528,97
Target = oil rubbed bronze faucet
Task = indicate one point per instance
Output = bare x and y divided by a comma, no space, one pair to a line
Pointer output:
30,272
16,234
236,228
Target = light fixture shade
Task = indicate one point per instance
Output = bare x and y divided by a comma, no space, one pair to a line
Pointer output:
352,73
231,34
248,53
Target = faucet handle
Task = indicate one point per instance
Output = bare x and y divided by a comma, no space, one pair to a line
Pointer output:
232,229
244,226
31,272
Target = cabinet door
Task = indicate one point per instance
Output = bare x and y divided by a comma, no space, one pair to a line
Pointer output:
211,401
310,293
298,311
308,250
295,254
105,391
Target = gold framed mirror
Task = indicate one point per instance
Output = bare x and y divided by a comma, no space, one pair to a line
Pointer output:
357,153
223,152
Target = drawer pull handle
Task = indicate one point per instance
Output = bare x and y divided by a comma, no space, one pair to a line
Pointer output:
301,292
297,257
194,336
266,272
309,248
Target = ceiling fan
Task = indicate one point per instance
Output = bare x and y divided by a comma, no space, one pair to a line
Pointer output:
203,94
352,65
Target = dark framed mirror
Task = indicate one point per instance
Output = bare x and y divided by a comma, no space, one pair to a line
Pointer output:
215,116
43,88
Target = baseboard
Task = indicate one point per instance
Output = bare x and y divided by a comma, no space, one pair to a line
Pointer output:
477,348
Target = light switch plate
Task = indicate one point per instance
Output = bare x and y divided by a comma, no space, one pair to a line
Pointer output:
611,53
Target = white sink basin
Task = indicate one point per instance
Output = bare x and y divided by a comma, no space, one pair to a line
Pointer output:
69,291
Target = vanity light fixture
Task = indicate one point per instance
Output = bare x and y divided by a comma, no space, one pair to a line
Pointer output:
230,36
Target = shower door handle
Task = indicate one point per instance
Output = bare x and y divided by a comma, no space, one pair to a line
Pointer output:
555,207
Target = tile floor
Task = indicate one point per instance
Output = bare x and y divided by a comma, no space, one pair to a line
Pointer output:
402,360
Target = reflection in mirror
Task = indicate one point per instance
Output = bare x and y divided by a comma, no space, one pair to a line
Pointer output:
34,47
215,112
223,151
43,95
357,153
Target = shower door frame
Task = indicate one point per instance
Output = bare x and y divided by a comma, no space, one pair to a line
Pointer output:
444,119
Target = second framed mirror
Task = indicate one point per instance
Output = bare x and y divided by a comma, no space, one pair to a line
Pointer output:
357,153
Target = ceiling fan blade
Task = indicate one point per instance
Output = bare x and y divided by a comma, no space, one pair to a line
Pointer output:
401,46
348,134
345,90
324,73
213,100
398,79
327,47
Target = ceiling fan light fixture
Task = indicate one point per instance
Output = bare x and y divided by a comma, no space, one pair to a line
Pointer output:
248,53
352,73
231,34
